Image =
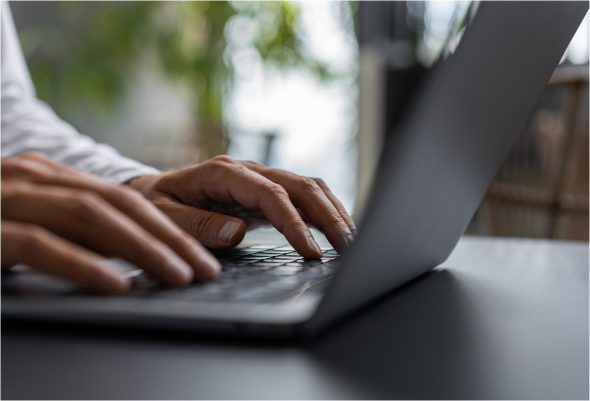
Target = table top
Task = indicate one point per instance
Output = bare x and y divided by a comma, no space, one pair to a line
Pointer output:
501,318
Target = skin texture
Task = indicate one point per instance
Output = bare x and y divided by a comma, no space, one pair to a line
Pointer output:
67,223
188,195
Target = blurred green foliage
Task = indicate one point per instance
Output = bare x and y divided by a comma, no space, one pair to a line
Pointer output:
86,60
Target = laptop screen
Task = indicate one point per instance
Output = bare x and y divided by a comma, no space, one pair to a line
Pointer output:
400,43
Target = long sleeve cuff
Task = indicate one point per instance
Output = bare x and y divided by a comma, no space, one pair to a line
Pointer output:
28,124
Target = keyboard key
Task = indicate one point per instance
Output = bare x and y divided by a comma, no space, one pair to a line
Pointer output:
259,273
252,286
285,248
272,260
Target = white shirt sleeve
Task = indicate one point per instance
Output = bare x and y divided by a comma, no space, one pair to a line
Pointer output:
28,124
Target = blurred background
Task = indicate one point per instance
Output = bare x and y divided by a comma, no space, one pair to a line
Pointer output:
175,83
311,87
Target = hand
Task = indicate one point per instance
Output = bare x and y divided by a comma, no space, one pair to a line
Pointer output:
189,195
62,221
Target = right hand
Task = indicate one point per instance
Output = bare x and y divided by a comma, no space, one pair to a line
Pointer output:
63,222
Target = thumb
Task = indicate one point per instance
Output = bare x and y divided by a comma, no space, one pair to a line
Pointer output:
214,230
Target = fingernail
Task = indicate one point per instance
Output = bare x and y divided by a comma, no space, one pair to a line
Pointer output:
349,240
314,244
228,231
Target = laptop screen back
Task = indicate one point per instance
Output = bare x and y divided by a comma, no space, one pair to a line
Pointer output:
443,157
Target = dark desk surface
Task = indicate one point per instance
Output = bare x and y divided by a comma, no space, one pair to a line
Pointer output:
502,318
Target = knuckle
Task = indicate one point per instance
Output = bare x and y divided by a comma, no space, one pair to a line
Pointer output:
276,190
223,159
299,225
126,197
202,225
332,221
16,166
336,219
28,239
250,163
86,206
222,165
308,184
294,228
320,182
33,155
13,194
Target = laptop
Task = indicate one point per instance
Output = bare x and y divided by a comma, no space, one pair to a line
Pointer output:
431,179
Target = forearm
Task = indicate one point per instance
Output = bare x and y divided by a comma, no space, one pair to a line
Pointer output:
30,125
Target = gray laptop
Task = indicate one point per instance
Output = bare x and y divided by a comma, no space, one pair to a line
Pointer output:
431,179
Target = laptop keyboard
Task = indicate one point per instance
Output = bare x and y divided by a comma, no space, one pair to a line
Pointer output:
259,273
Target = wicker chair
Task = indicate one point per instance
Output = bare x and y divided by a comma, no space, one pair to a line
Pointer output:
542,187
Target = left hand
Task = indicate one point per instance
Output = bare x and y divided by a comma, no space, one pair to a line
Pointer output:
65,222
288,201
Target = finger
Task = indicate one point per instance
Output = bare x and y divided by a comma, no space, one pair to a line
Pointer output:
41,170
226,182
44,251
37,168
305,219
84,215
212,229
338,205
307,195
148,216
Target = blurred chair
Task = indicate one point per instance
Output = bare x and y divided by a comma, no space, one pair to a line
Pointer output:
541,189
